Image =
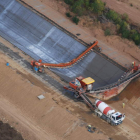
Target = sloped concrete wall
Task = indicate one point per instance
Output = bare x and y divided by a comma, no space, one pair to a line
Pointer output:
41,40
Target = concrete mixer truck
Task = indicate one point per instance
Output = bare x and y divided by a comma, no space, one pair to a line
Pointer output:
106,113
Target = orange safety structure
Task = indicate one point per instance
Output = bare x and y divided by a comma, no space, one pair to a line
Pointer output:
64,65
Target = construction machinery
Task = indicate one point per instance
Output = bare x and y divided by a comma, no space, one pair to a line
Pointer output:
106,113
82,86
38,65
102,93
111,90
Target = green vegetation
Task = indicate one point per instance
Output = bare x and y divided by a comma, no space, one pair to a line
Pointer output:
98,6
80,7
75,20
131,4
123,26
125,17
107,32
68,14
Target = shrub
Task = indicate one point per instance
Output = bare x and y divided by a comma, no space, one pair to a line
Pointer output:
125,17
131,4
98,6
132,32
75,20
107,32
68,14
123,26
70,2
78,7
118,27
114,16
136,38
125,33
87,3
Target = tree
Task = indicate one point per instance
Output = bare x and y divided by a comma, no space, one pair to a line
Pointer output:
78,7
98,6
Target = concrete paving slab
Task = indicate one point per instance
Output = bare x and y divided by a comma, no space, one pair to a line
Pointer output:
42,40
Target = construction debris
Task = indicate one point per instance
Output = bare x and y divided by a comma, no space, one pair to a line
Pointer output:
40,97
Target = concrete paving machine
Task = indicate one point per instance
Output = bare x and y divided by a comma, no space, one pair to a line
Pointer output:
82,86
39,65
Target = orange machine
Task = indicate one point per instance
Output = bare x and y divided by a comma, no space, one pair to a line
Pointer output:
80,85
39,64
80,82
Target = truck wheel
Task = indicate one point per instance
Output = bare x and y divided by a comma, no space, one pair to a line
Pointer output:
112,123
95,113
108,120
98,115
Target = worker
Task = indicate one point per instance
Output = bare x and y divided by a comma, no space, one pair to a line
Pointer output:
89,128
133,64
123,105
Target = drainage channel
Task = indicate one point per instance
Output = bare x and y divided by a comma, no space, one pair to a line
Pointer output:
38,37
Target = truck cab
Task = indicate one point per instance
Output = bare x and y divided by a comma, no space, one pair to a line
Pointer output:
117,118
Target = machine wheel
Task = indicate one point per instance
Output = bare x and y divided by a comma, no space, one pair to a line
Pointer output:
76,94
41,70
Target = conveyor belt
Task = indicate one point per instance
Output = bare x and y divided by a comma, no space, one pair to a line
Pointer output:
68,64
86,99
118,83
